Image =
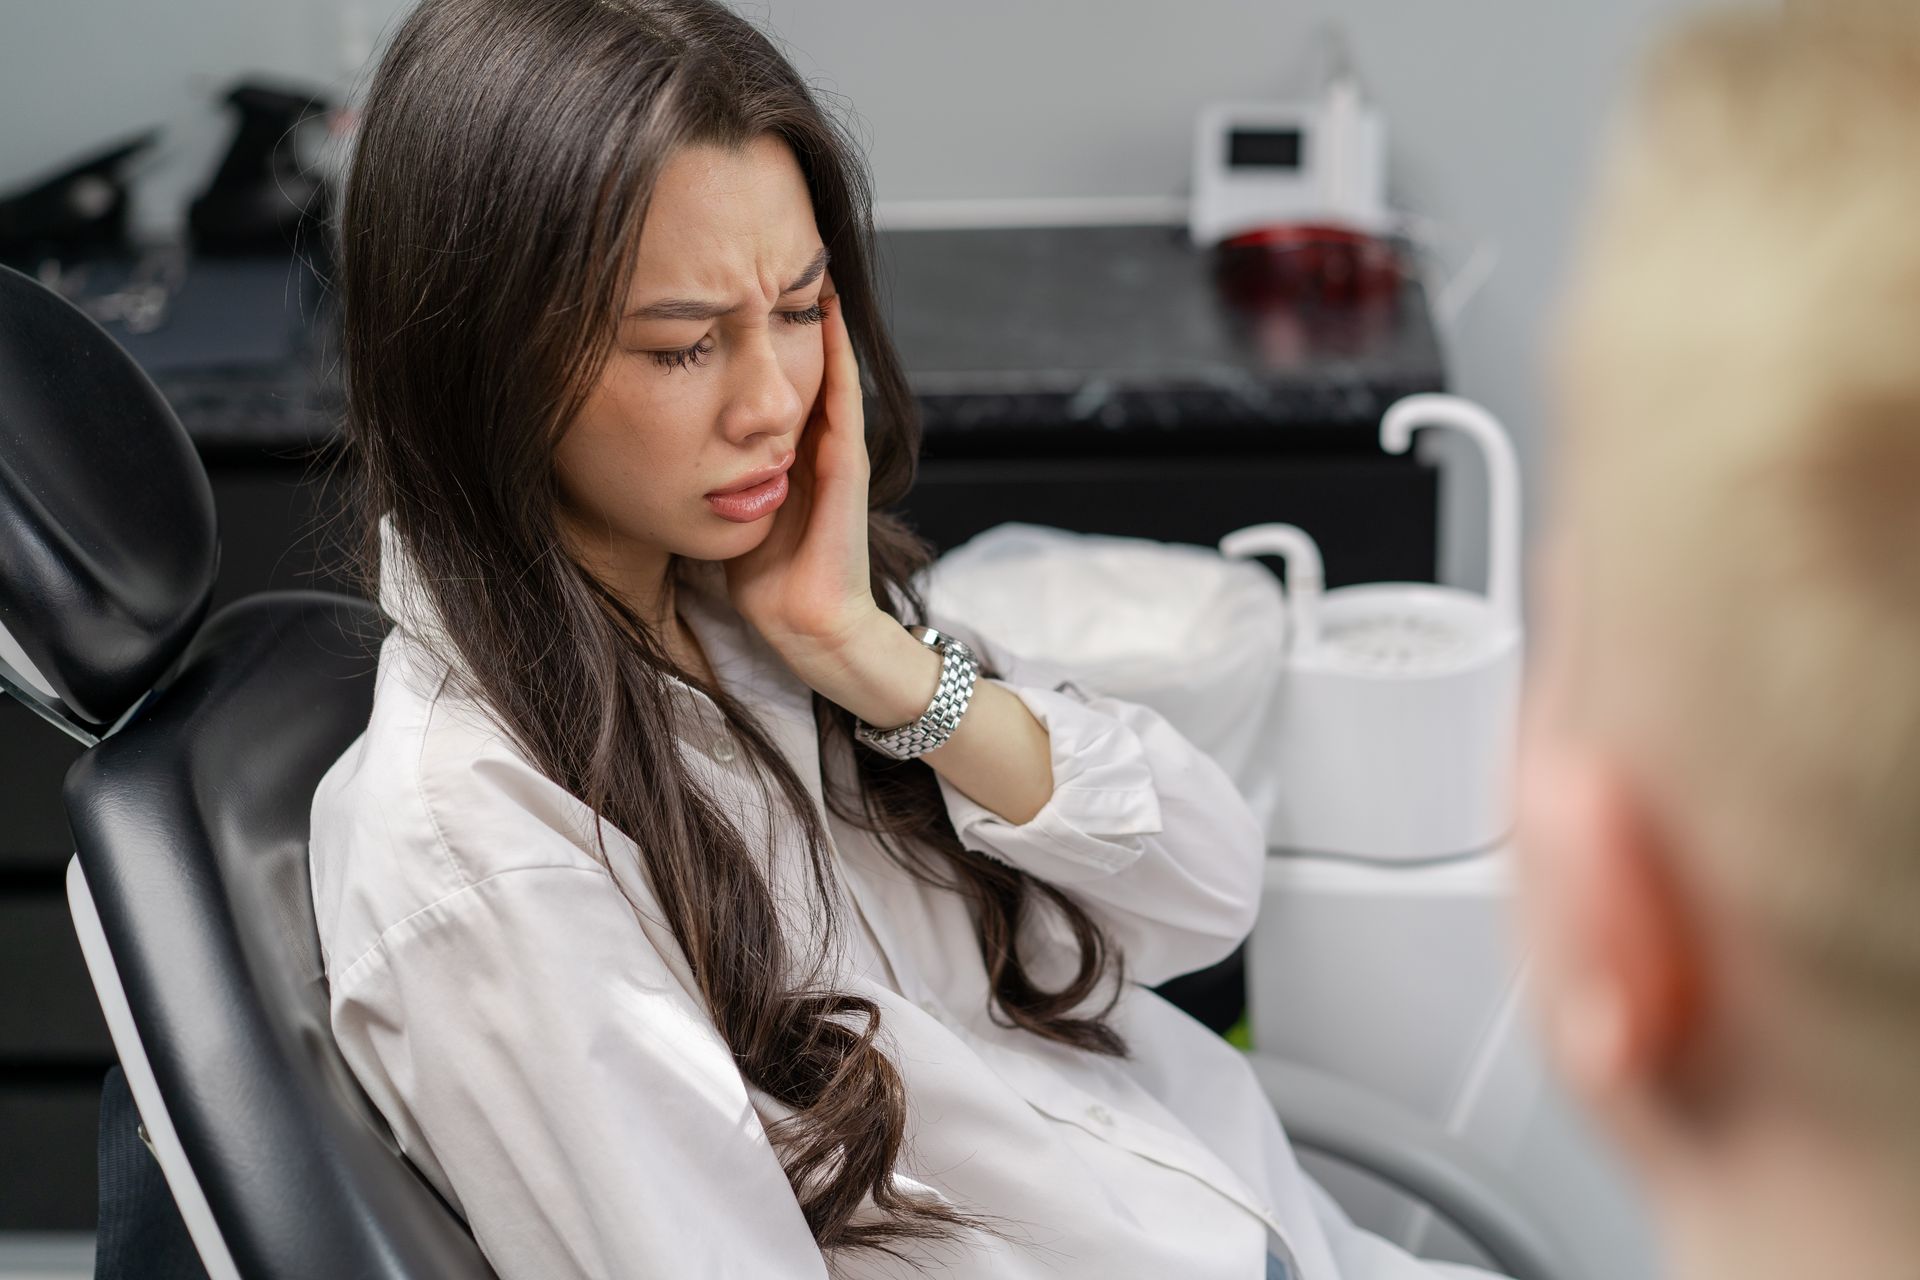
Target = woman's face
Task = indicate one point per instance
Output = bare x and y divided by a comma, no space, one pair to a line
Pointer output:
715,366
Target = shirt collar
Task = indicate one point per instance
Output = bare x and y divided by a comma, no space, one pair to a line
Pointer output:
743,663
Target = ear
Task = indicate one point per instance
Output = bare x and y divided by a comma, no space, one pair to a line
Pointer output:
1617,953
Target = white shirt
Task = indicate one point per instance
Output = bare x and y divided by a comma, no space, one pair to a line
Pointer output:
540,1051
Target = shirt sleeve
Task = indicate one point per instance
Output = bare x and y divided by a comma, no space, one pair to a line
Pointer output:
586,1113
1144,830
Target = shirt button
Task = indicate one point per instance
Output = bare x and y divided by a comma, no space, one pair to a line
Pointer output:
1099,1114
722,750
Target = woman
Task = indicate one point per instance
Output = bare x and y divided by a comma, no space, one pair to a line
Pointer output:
658,954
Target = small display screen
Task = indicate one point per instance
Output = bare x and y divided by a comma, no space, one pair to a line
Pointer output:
1263,149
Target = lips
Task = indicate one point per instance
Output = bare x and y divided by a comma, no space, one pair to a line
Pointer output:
754,478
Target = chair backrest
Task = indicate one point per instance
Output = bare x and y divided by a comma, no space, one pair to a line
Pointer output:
190,812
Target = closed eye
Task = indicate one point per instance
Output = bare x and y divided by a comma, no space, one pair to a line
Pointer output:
812,315
699,351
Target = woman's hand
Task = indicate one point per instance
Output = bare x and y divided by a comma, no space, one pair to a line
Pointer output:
807,587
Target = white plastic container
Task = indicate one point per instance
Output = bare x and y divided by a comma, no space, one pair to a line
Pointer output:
1392,731
1171,625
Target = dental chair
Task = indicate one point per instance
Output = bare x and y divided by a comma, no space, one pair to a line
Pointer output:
189,888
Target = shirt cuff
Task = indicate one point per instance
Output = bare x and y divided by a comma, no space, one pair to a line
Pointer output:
1103,795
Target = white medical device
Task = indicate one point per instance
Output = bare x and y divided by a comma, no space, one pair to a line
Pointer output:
1258,164
1391,736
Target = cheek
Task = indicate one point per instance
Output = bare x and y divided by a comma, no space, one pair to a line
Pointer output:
634,391
1546,819
804,359
628,442
1542,794
1561,858
1535,834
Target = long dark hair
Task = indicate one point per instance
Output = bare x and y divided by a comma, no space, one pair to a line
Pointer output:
507,152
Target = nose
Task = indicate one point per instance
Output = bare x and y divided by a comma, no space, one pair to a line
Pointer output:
763,398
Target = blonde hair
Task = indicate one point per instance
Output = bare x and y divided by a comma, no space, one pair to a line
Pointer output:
1739,481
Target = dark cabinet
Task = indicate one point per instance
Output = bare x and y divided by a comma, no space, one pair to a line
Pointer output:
1373,517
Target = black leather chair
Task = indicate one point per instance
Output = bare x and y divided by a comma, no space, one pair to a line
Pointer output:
189,886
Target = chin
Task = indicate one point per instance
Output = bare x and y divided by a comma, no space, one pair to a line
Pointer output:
723,539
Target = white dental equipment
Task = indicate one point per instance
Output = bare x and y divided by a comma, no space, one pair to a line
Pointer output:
1391,733
1258,164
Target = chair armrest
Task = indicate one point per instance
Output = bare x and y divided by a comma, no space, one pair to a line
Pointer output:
1410,1153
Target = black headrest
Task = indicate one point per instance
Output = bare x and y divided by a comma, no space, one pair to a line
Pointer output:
107,540
191,830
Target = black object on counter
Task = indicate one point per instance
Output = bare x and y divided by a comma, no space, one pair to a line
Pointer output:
80,209
263,198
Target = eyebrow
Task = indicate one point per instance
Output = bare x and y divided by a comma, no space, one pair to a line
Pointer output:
698,309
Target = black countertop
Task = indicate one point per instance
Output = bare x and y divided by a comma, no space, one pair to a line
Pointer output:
1081,335
1123,328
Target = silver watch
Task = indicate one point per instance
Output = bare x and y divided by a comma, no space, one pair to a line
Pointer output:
958,669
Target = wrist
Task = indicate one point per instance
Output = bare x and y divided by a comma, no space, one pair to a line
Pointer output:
879,672
927,732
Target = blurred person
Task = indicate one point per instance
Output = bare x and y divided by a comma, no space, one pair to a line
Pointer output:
1720,828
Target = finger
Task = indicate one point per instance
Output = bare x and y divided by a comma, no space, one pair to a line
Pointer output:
842,368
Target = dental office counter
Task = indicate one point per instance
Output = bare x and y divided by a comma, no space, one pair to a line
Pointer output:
1084,377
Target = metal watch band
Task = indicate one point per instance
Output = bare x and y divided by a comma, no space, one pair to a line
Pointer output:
958,670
